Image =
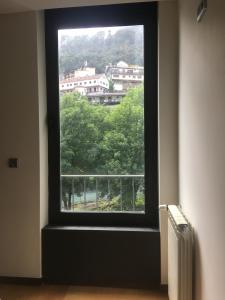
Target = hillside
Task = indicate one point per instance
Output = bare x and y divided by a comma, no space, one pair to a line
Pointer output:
99,50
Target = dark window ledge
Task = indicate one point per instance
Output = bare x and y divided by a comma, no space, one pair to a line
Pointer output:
101,256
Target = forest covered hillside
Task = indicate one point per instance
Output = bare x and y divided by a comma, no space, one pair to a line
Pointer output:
99,50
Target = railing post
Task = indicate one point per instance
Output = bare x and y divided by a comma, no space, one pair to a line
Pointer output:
133,194
121,195
61,192
85,191
109,187
73,201
96,181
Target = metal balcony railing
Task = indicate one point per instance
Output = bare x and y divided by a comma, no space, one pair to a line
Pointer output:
102,192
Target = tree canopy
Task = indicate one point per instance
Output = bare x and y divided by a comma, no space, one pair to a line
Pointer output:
98,139
104,140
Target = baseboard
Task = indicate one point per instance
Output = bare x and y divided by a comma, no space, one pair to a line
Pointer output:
39,281
21,280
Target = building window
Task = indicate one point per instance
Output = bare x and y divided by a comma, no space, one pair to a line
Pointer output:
103,175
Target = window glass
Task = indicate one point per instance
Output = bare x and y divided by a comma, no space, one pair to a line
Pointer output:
102,142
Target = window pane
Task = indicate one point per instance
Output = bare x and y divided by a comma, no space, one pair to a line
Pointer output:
101,85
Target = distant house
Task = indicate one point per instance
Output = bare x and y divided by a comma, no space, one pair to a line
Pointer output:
124,76
82,72
85,84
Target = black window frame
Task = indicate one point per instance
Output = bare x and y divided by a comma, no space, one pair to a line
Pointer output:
104,16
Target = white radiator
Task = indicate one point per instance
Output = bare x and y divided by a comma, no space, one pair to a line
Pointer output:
180,257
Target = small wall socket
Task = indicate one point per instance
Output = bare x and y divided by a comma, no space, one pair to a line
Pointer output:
13,163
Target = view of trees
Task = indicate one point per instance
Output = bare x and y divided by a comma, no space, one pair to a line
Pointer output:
100,50
98,139
95,138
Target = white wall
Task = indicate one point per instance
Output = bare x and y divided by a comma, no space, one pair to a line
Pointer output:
23,134
168,118
20,128
43,125
202,140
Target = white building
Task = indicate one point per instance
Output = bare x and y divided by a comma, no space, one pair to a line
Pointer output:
85,84
125,76
82,72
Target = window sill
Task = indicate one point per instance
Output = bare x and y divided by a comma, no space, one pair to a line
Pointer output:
100,228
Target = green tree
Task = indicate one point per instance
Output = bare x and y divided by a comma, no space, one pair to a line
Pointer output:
96,139
82,129
111,86
82,126
123,142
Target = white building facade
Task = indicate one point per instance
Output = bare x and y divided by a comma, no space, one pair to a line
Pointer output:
85,84
125,76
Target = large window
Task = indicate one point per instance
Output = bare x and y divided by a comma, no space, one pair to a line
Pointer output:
102,112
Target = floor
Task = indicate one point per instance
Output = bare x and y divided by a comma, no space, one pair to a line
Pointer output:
51,292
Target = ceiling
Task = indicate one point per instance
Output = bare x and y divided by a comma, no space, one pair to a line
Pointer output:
12,6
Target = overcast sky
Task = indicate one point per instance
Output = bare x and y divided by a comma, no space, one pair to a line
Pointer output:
89,31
